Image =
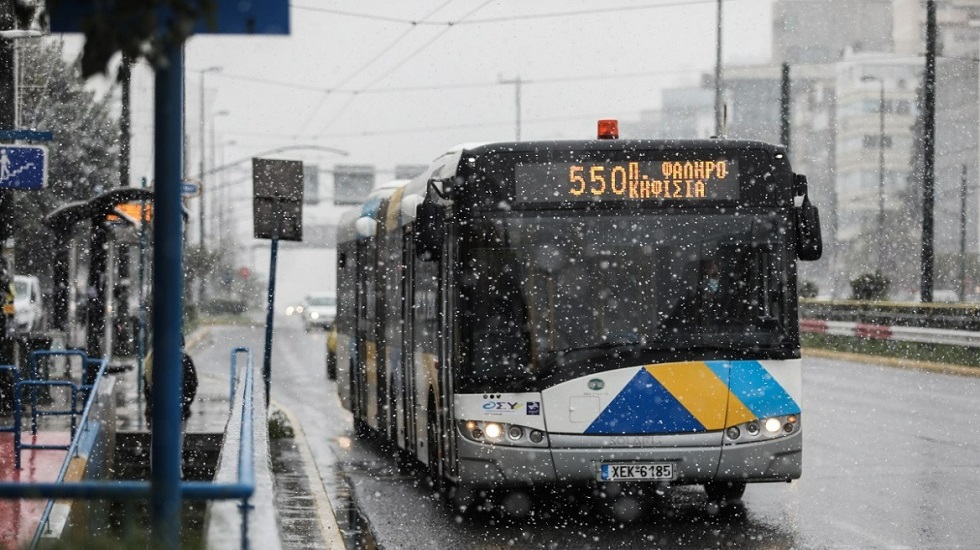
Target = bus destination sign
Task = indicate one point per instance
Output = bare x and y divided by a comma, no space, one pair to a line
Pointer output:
600,181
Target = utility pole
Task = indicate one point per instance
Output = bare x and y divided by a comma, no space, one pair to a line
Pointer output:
962,276
929,153
125,120
784,108
123,333
517,97
8,102
8,121
719,122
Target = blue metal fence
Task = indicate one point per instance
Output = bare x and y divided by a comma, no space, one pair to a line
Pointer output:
135,490
34,382
15,376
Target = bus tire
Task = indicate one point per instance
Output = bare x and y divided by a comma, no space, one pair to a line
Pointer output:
724,490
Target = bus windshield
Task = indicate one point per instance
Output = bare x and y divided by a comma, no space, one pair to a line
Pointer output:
545,287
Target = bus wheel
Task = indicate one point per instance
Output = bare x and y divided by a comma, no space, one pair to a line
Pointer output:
724,491
462,499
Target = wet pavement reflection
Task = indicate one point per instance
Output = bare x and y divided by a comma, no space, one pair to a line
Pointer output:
889,462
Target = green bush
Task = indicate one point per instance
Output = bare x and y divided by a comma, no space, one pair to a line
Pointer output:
870,286
809,289
279,426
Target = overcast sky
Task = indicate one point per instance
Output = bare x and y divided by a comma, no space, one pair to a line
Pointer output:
404,93
361,77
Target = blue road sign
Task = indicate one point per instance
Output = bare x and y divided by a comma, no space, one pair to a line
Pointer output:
23,166
190,188
229,16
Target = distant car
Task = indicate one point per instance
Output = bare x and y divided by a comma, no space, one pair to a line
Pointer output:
28,308
319,311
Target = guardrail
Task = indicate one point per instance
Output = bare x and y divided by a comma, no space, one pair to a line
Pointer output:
15,377
899,314
34,383
922,335
135,490
76,435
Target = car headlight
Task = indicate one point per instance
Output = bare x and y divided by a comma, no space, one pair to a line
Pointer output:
763,429
502,433
314,315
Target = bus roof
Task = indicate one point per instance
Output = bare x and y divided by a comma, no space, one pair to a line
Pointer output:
620,145
447,164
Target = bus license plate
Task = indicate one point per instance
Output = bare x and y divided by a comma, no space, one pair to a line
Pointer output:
636,472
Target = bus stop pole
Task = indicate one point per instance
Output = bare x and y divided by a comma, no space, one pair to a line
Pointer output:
165,447
267,362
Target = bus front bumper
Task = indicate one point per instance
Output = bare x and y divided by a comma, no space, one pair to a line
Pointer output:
572,461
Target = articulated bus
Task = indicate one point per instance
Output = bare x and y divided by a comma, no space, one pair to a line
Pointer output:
578,313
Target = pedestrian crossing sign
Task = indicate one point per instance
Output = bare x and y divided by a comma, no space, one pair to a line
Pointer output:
23,166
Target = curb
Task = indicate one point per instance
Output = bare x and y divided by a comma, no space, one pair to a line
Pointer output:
194,338
927,366
328,519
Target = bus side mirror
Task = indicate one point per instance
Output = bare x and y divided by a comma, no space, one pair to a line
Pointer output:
429,230
809,245
366,227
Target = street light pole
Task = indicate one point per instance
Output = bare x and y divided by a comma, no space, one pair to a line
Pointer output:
213,144
201,216
719,117
881,175
962,277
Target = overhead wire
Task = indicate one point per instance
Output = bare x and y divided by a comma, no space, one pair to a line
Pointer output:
421,129
507,19
460,86
364,67
397,66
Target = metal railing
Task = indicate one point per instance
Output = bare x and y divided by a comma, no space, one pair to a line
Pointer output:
234,372
900,314
136,490
34,383
15,378
76,436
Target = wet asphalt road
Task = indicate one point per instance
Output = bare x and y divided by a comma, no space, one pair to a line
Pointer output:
891,460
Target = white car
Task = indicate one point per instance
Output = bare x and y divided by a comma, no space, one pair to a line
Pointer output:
28,310
319,311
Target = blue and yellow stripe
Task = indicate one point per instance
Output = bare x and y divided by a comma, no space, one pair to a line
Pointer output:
693,397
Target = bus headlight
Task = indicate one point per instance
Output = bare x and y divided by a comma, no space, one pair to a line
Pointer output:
492,430
773,425
762,429
501,433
